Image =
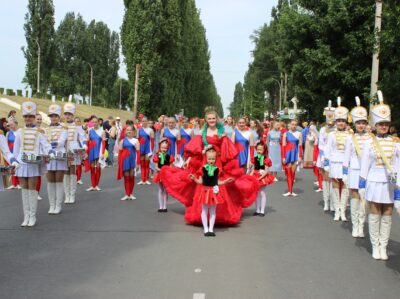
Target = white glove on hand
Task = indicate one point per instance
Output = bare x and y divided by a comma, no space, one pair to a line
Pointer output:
52,156
361,192
216,189
326,168
397,206
15,165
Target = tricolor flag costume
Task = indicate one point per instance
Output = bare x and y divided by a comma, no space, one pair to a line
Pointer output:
146,140
10,141
96,147
5,156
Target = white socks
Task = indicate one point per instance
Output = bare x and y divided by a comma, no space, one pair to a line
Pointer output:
162,197
204,217
261,201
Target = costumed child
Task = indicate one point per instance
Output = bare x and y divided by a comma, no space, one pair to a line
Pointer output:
146,140
127,160
10,136
261,164
209,194
161,159
5,156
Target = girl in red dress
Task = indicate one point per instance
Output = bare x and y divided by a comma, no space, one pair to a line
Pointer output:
208,193
241,193
261,164
162,159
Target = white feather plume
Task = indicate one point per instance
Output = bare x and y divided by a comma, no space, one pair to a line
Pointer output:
358,101
380,96
339,101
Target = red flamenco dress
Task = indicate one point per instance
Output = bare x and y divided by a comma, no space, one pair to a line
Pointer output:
237,195
262,162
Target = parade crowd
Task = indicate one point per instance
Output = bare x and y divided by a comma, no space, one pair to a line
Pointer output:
215,167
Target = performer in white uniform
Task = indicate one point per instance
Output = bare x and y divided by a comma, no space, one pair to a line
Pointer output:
329,113
57,137
5,154
28,143
351,167
334,156
377,179
76,140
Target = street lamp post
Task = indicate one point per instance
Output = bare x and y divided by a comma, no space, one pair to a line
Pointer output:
91,84
375,57
38,67
120,94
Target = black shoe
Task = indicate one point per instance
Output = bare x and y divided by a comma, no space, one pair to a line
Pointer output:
160,210
261,215
256,214
207,234
212,234
165,211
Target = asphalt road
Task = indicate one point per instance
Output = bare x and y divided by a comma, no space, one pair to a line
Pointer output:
103,248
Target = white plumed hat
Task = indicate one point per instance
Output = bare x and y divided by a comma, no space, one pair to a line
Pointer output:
341,112
329,113
69,108
359,112
380,113
28,108
54,110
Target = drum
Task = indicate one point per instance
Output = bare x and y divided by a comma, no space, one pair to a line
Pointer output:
7,170
31,158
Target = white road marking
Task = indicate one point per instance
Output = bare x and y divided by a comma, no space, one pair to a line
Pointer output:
199,296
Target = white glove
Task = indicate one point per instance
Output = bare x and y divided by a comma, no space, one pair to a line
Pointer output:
52,156
397,206
326,168
361,192
345,179
216,189
15,165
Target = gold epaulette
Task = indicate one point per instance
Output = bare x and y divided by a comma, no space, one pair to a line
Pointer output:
41,131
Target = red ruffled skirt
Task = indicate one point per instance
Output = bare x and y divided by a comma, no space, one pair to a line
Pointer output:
156,178
205,195
268,180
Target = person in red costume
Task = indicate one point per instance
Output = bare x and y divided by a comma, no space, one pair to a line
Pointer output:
239,194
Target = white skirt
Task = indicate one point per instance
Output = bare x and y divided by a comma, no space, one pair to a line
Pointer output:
336,170
57,165
28,170
353,178
379,192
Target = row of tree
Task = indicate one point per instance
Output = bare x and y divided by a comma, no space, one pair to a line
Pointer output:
325,47
169,42
68,53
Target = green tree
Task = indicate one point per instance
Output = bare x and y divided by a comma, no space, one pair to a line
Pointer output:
236,106
39,29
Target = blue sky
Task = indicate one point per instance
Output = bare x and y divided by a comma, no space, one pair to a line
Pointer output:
229,23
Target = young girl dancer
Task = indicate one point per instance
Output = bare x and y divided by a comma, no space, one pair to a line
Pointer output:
127,161
161,159
334,157
5,156
30,141
146,140
57,137
209,194
261,164
96,148
351,167
292,154
13,123
172,133
377,179
38,123
244,143
78,124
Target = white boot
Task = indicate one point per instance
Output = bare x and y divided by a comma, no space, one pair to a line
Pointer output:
25,206
33,201
67,187
73,187
384,234
343,203
325,194
361,218
59,197
354,208
51,190
374,223
335,199
331,197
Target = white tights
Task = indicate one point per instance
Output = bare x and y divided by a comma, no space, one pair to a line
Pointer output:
261,201
204,217
162,197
